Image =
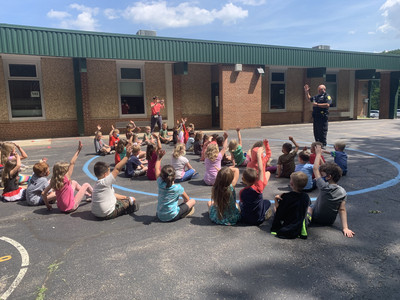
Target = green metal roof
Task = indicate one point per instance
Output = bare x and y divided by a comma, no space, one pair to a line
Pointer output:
24,40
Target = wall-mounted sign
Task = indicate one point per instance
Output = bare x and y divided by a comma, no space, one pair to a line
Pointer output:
35,94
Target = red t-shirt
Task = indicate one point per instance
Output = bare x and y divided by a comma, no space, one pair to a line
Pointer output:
113,141
155,108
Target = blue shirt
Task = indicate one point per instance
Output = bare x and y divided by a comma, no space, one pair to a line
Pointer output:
131,165
167,207
308,170
341,160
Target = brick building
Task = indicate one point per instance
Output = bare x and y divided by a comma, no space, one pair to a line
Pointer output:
63,83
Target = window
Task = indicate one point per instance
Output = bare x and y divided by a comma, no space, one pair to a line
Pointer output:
131,90
23,88
277,90
331,88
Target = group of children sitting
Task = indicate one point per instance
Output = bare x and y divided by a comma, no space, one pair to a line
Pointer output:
292,210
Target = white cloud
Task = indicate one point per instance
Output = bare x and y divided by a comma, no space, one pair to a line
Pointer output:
252,2
85,20
54,14
390,12
158,14
352,32
111,13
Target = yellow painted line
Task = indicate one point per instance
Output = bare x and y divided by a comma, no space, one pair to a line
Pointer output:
5,258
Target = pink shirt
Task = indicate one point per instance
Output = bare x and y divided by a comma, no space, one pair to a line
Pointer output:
212,168
65,196
151,171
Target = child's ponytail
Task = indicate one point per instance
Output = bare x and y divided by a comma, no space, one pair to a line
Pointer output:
168,175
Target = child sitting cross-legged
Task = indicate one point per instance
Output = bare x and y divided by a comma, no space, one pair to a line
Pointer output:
253,163
332,198
291,208
307,168
99,147
37,184
222,208
106,204
183,169
168,209
253,208
164,137
134,167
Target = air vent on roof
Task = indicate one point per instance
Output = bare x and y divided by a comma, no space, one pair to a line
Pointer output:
322,47
146,32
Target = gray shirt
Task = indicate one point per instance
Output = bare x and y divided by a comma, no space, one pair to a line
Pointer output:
328,202
103,197
34,190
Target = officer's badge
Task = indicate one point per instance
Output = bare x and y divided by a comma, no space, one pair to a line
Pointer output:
329,98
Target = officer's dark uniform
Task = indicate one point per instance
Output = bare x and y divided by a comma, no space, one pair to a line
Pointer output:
320,116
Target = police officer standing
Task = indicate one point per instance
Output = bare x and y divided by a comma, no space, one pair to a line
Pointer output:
321,103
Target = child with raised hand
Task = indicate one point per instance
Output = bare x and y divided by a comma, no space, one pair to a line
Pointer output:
130,128
222,208
286,163
183,169
213,158
64,187
253,163
332,198
10,179
106,204
307,168
38,183
312,155
8,152
340,157
291,208
113,138
237,155
253,208
168,209
151,156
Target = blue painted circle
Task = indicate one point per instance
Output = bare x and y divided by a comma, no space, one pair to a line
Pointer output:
381,186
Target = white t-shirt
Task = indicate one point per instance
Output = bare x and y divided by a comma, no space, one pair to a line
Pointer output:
179,166
103,197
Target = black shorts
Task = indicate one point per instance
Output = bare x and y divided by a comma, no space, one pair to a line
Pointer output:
183,211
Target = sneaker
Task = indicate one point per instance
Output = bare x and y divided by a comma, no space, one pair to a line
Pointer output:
112,152
88,198
308,219
195,175
268,213
135,206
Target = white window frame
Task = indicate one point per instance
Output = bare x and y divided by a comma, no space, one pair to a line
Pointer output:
132,65
270,85
336,82
23,60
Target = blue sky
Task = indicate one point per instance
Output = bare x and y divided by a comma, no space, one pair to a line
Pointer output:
370,25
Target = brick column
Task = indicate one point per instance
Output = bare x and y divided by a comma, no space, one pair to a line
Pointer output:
240,97
85,104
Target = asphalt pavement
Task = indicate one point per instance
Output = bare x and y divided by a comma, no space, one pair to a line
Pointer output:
57,256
